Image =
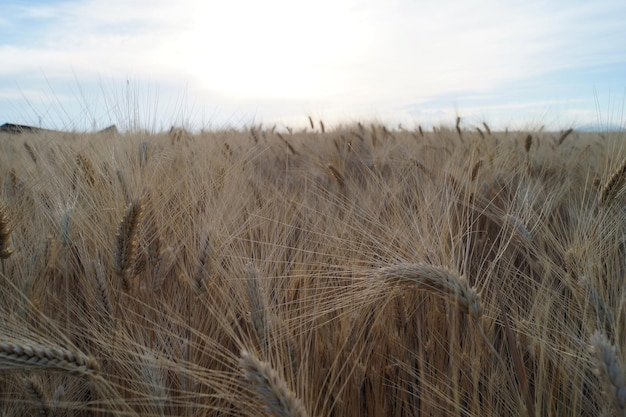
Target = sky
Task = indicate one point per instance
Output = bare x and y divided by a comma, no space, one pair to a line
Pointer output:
214,64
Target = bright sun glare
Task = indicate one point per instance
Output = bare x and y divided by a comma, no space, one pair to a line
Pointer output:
276,50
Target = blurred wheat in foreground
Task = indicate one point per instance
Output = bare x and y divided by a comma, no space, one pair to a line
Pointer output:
355,271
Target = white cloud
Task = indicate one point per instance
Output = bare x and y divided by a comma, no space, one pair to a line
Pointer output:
343,57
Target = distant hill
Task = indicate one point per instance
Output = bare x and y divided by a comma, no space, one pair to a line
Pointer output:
17,129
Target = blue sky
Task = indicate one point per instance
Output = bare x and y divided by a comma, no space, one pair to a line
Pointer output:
211,64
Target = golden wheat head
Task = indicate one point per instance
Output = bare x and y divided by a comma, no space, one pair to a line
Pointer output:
614,185
610,372
5,234
271,388
34,357
436,280
126,248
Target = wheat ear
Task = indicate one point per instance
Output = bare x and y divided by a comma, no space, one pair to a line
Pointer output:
87,168
126,248
440,281
104,301
202,265
259,308
35,391
25,356
528,142
565,135
31,152
338,176
610,372
614,185
5,234
271,387
58,394
520,231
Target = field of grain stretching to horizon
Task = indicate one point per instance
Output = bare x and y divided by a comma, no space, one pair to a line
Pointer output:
348,271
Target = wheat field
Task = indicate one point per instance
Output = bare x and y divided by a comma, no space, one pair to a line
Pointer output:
354,271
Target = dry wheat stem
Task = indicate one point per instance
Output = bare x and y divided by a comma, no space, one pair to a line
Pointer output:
30,356
279,400
610,372
437,280
66,228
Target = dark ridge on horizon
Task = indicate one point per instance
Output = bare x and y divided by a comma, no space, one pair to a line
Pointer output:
16,129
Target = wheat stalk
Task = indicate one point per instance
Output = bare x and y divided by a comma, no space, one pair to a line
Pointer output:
165,264
66,229
31,356
144,153
374,136
610,372
122,181
437,280
279,400
126,248
614,185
